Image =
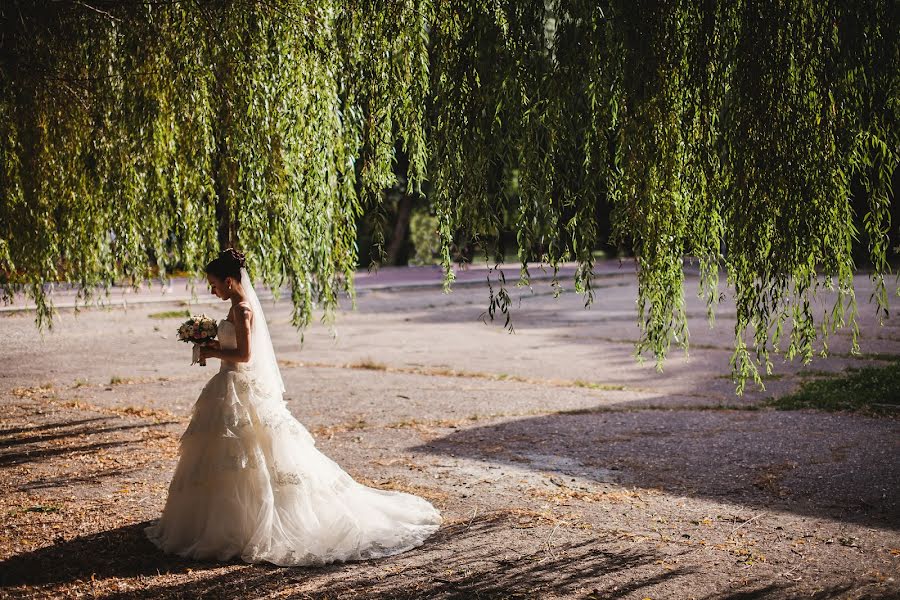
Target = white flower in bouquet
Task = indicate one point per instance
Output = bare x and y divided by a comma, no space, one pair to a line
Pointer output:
200,331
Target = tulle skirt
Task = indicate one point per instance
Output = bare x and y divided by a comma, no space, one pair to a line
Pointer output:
250,483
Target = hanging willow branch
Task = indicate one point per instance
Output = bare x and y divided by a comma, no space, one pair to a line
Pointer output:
136,136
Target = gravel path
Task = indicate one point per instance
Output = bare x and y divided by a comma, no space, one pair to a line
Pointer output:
563,467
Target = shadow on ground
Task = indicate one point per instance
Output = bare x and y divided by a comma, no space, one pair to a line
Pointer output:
827,465
122,552
31,429
68,439
70,429
473,568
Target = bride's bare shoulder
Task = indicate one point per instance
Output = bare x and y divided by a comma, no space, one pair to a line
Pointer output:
242,311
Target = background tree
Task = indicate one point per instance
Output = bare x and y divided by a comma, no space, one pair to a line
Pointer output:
138,135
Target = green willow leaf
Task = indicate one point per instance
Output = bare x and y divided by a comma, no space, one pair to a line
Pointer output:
139,137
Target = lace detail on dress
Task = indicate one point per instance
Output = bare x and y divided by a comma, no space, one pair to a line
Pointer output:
287,478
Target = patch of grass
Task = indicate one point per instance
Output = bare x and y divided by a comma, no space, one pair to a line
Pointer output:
702,346
444,371
171,314
609,387
872,390
730,406
810,373
369,365
883,356
331,430
426,424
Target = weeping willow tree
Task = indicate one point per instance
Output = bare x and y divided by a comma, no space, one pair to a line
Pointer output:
136,135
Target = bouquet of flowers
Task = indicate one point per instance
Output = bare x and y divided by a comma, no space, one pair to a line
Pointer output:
200,331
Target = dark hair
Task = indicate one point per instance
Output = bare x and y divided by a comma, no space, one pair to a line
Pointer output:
228,264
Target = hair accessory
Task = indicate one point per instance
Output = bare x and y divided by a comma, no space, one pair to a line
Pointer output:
233,255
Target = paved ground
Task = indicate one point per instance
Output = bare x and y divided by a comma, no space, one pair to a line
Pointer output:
563,467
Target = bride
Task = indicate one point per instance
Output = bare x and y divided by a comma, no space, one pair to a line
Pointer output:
251,483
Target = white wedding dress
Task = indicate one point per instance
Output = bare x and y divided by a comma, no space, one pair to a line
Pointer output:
250,483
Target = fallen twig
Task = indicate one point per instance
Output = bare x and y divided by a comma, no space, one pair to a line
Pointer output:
747,521
474,512
549,539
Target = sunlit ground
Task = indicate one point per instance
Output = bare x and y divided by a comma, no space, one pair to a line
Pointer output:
563,467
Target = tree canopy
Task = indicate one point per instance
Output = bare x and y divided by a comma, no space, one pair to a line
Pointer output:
136,135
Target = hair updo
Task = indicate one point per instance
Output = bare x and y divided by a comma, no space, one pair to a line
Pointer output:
228,264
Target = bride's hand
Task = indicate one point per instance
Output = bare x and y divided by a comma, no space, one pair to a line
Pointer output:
210,351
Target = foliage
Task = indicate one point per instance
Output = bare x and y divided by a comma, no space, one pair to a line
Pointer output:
137,135
143,130
874,390
423,232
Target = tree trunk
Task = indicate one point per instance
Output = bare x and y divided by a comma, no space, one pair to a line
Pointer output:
404,211
223,233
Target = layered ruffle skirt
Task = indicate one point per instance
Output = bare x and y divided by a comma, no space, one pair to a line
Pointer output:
250,483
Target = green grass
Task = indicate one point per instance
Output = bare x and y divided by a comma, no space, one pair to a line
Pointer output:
171,314
871,390
885,356
609,387
811,373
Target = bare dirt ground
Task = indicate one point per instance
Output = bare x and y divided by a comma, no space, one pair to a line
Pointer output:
563,468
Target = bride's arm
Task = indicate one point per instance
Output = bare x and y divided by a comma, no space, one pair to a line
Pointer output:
243,318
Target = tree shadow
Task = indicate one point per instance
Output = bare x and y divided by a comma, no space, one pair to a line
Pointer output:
24,456
471,569
66,440
65,481
461,561
121,552
45,426
824,465
81,431
49,440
